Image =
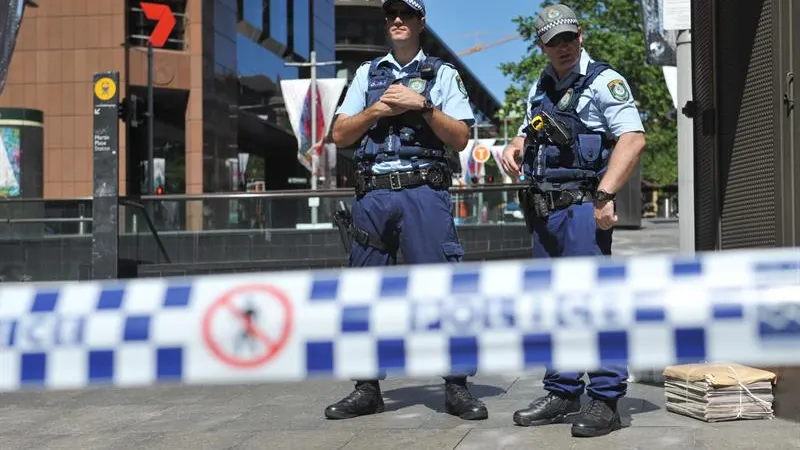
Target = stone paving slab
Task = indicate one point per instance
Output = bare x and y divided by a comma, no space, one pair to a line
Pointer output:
252,417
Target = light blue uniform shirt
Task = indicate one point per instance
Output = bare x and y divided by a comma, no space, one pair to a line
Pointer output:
599,108
448,95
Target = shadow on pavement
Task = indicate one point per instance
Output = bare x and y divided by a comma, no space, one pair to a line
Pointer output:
630,406
431,396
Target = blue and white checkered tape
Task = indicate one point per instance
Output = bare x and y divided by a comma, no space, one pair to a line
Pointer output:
425,320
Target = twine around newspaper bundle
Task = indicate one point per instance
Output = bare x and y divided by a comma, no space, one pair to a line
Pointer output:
743,387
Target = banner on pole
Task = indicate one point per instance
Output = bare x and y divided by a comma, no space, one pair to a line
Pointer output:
660,43
297,98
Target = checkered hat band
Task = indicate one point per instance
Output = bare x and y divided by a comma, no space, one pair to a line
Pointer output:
414,4
556,23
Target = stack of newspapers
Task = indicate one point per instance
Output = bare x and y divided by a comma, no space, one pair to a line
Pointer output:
719,392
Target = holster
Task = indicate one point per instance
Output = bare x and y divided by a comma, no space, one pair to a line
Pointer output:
343,220
539,204
531,207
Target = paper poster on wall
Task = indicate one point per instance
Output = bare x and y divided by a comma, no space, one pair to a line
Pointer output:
677,15
10,152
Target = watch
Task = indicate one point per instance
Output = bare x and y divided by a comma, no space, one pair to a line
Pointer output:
603,196
427,106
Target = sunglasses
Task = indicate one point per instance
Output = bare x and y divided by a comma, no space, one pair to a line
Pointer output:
405,14
562,38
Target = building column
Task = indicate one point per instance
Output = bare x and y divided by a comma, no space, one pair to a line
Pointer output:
194,115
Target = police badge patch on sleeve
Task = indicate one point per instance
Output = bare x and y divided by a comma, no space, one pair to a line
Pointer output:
461,86
618,90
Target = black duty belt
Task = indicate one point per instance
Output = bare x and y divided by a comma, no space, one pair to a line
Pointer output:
556,200
437,176
537,203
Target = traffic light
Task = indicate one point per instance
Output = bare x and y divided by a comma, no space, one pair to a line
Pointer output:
131,110
159,190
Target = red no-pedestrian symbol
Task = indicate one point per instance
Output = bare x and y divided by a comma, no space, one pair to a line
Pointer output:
248,326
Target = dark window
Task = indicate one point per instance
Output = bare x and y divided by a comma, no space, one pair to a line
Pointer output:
253,13
276,15
301,28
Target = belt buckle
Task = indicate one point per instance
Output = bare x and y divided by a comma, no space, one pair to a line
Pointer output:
394,181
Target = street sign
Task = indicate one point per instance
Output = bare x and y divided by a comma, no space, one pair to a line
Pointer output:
480,154
165,22
105,175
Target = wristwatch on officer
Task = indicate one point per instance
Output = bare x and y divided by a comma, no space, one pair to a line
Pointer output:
602,196
427,106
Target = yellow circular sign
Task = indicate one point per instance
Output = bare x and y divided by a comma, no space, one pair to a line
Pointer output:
105,88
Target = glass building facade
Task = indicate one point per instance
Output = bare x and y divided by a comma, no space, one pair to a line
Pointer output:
245,47
324,34
220,93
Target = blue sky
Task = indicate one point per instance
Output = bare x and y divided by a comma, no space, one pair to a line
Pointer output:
481,22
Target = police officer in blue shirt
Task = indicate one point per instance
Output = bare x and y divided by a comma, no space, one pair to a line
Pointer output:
406,108
581,140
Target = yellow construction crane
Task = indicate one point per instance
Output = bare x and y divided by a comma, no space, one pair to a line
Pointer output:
481,47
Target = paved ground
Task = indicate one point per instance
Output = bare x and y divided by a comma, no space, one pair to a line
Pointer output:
289,416
658,236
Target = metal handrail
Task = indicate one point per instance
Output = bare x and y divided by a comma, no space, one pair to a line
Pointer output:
48,220
150,225
326,193
282,194
42,200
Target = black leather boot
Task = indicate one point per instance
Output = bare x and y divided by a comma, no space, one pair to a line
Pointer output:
364,400
598,418
552,408
460,402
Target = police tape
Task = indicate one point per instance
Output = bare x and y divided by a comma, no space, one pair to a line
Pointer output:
406,321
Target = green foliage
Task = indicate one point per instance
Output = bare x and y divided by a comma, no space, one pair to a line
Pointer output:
612,32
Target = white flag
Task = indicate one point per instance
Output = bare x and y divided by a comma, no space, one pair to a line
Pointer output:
297,98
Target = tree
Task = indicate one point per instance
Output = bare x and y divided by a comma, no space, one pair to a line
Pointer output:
612,32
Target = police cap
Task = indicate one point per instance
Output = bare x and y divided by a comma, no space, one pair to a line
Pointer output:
555,20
